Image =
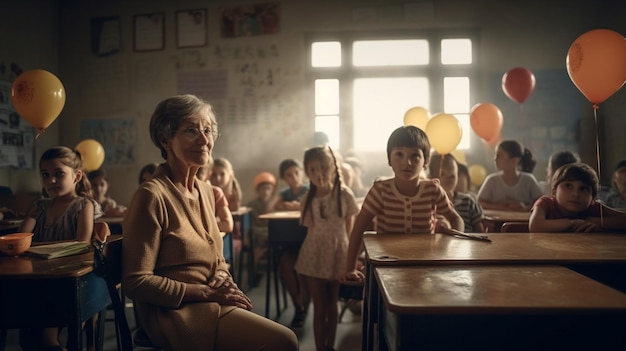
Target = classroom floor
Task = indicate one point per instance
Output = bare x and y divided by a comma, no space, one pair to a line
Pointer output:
348,331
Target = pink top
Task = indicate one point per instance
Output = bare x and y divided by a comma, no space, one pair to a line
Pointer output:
549,206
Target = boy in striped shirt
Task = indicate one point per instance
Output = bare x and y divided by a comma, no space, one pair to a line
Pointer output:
405,203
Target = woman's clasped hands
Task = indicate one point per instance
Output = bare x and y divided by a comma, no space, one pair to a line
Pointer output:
224,290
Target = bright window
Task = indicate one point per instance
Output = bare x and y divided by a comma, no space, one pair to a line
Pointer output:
362,98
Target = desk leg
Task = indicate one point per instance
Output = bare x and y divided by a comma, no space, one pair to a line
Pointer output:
276,291
369,308
270,258
74,332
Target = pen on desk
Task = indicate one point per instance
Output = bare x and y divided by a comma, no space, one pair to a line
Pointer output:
457,233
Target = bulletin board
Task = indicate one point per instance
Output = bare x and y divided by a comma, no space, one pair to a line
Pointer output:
16,136
118,137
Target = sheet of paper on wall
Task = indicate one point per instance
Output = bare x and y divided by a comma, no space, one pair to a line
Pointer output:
16,135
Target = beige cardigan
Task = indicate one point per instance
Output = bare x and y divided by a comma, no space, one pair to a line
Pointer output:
169,241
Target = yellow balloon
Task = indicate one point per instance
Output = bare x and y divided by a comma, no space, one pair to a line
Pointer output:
416,116
459,155
38,96
477,174
444,132
92,154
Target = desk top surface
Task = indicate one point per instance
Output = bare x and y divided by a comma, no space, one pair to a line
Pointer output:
30,267
287,215
507,216
241,211
493,290
505,248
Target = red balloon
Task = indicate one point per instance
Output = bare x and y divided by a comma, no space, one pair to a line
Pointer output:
486,120
518,83
596,63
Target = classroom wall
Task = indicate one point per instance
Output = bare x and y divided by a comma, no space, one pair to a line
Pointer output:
263,120
30,39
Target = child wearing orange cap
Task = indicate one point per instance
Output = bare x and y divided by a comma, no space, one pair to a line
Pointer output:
264,185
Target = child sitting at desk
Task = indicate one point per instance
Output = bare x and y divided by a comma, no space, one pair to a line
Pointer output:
223,175
264,185
555,161
446,170
405,203
290,171
67,212
100,185
617,195
222,211
571,207
514,187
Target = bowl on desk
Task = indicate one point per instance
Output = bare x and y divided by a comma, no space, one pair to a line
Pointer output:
16,243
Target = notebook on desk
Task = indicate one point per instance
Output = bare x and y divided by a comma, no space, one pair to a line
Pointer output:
60,249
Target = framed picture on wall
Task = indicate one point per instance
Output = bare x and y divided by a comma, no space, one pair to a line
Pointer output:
191,28
149,32
105,35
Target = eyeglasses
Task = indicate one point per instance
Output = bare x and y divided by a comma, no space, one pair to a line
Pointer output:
194,133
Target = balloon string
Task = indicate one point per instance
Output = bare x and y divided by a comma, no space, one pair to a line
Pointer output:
41,131
595,117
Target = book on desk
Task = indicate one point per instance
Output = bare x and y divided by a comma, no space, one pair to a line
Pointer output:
60,249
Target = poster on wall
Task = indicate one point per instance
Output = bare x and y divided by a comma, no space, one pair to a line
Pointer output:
248,20
118,136
17,136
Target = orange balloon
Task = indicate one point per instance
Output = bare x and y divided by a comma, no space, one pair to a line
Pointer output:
444,133
486,120
416,116
518,83
494,140
92,153
38,96
596,63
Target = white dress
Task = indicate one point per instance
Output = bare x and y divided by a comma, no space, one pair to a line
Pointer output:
324,250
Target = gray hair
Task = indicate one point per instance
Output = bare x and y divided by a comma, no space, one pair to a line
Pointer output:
169,114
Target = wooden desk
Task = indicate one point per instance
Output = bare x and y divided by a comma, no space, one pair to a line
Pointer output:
595,251
36,292
497,308
242,217
283,229
115,224
495,218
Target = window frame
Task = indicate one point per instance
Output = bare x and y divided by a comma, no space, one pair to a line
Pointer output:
435,71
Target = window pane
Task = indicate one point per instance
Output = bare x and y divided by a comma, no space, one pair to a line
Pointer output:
326,97
456,94
456,51
379,107
466,127
330,126
326,54
390,52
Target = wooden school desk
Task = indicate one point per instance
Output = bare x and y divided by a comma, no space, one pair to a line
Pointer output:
241,217
283,229
115,224
36,292
495,218
598,250
497,308
8,226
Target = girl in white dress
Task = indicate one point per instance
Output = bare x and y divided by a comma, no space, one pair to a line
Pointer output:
328,212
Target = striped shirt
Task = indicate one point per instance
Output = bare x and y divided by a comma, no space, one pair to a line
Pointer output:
469,209
397,213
